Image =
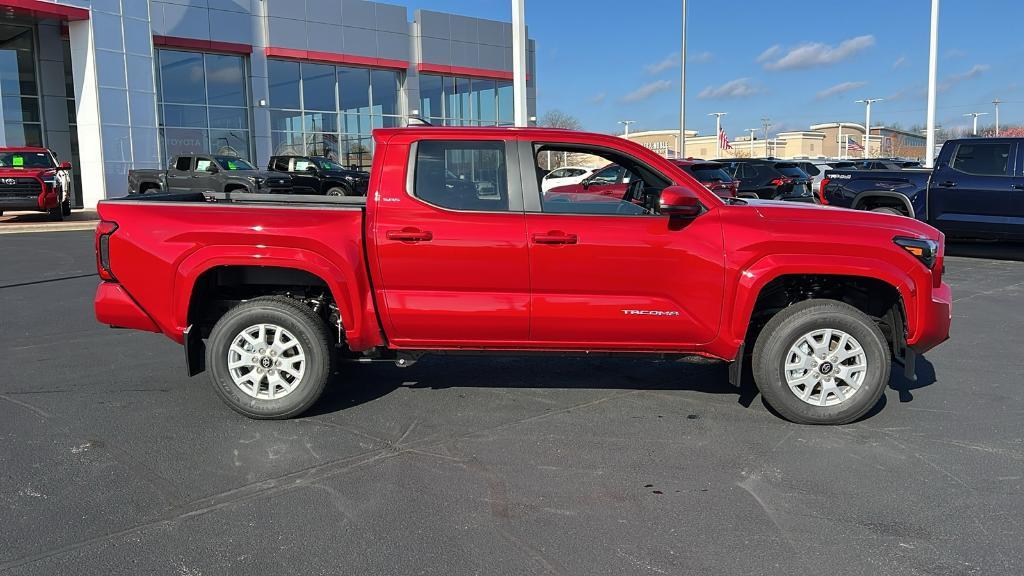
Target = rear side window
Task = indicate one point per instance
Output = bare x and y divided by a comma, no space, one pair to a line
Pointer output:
811,169
183,163
462,175
983,159
560,173
791,170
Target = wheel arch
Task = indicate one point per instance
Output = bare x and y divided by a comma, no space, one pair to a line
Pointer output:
275,268
806,278
864,198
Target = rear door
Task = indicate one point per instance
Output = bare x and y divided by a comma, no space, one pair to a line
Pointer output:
450,245
972,194
179,176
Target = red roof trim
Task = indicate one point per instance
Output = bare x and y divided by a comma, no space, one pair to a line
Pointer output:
206,45
335,58
465,71
39,9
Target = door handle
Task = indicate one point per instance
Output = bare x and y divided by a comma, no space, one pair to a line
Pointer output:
948,184
555,237
410,235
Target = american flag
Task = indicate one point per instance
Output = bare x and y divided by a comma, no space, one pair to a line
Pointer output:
852,144
723,140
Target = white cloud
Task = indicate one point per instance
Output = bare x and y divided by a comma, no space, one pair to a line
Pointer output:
954,79
597,98
670,61
814,54
841,88
954,54
738,88
770,53
700,57
647,90
900,62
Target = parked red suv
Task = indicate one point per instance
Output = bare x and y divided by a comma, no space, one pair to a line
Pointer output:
32,179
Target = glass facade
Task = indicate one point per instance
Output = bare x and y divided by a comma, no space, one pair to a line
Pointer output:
455,101
203,104
19,94
327,110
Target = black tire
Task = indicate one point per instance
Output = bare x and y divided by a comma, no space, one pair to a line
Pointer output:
787,327
56,213
339,191
884,210
312,335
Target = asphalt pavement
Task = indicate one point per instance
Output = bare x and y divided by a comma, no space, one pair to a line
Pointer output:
113,461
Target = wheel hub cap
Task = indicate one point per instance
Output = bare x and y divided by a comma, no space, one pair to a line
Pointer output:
825,367
266,361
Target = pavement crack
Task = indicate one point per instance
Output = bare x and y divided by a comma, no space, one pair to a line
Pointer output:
47,281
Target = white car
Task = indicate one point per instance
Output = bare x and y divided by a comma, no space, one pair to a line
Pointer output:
564,176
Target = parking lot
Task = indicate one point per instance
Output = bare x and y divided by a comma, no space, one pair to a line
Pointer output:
115,462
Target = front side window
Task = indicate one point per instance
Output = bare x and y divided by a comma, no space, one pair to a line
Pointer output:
462,175
204,165
302,164
983,159
625,188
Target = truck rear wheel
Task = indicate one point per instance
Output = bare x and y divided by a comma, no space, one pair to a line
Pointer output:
821,362
269,357
339,191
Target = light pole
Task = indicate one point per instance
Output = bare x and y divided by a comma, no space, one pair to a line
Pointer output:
753,132
766,123
997,102
682,87
519,104
626,123
867,122
718,132
933,60
974,131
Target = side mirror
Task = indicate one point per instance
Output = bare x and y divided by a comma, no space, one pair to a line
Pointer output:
311,168
586,183
65,165
679,202
211,168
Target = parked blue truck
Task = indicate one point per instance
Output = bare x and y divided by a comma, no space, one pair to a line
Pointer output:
976,189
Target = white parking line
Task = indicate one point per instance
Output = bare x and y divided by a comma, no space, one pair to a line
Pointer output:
7,228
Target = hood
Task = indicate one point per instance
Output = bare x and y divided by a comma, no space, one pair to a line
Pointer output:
816,216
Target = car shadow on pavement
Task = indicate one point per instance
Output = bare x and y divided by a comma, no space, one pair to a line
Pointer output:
988,250
355,384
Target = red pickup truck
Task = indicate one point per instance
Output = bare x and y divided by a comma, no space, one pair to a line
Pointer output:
456,249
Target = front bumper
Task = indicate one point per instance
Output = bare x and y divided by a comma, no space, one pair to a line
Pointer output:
934,316
40,200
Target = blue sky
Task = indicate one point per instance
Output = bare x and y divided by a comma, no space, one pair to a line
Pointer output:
798,62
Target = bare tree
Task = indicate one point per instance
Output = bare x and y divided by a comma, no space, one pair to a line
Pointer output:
555,118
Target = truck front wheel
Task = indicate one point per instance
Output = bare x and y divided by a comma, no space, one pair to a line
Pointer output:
269,357
821,362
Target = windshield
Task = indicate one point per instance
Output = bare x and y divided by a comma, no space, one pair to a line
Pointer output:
26,160
233,163
325,164
708,172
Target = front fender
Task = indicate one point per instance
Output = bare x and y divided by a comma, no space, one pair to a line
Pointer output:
349,295
755,277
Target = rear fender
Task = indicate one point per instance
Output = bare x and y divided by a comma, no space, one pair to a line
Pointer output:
754,278
864,197
349,293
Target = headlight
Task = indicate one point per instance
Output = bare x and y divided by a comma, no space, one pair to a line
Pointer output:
350,178
921,248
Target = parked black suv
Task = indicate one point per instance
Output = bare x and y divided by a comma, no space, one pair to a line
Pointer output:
769,179
320,175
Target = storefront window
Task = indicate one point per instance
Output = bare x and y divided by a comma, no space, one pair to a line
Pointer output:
20,96
455,101
202,100
325,110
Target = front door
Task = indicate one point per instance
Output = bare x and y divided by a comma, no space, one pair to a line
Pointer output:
304,176
204,179
972,193
450,244
610,274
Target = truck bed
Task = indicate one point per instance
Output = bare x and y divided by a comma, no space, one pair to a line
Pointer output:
247,198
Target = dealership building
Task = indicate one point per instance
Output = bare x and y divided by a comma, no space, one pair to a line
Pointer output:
114,85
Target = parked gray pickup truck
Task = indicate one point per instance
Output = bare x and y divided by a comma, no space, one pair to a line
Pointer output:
212,173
